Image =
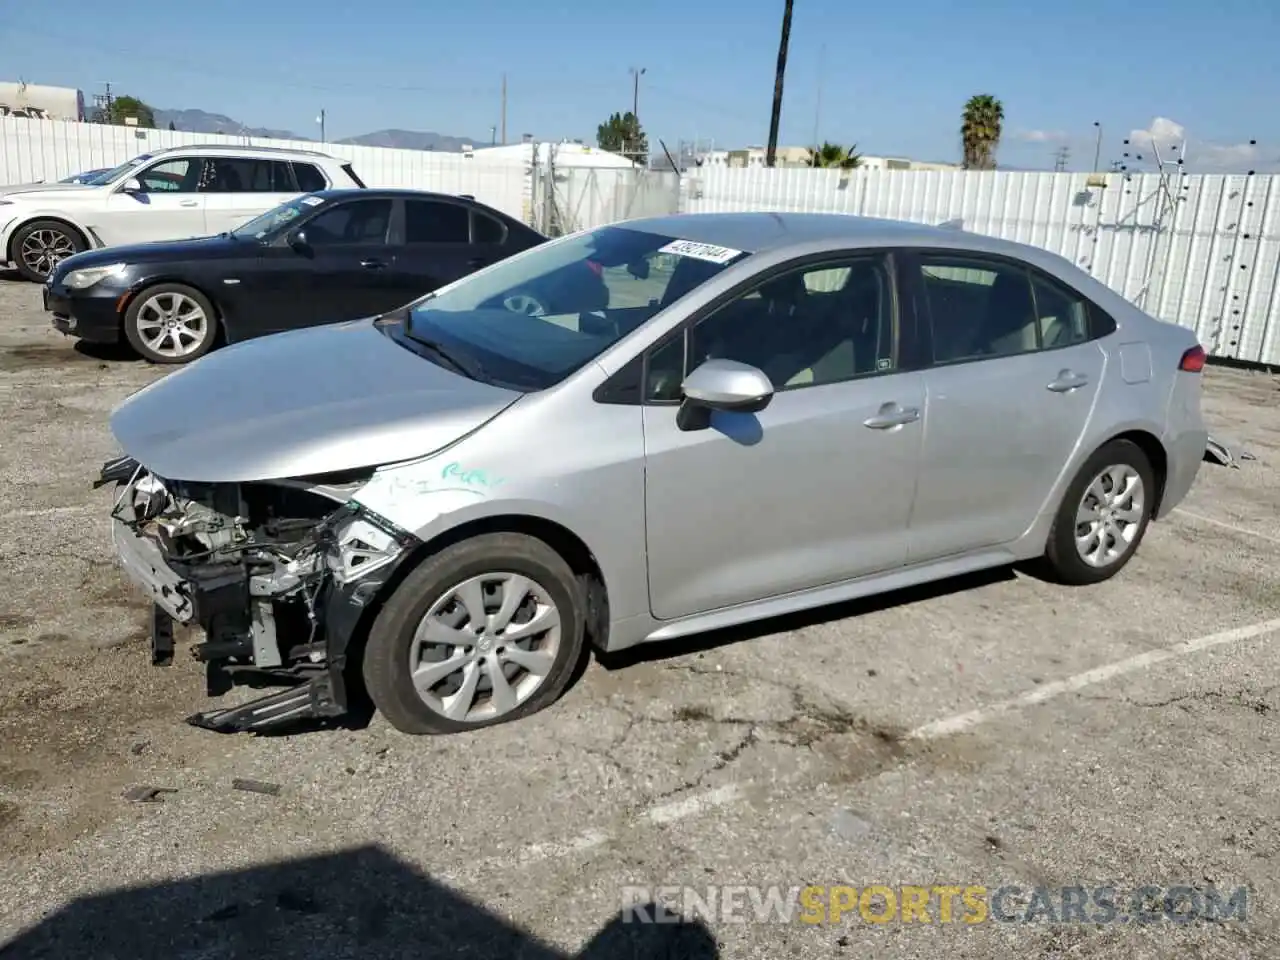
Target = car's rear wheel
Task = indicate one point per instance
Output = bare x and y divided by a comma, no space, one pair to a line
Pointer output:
41,245
1103,515
486,631
171,323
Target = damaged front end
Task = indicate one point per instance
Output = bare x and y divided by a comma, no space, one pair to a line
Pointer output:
276,573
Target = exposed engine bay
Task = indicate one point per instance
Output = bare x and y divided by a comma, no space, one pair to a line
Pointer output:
276,573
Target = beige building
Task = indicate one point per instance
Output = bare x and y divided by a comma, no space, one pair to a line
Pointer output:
753,157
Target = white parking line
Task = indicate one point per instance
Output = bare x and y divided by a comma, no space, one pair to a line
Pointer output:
1245,531
964,721
690,806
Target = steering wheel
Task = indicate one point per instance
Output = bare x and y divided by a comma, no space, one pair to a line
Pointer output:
524,303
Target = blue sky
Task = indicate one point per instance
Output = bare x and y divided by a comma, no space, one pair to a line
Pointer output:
894,76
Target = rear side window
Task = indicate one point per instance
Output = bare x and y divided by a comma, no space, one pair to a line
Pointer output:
979,309
310,179
245,175
487,229
428,221
1063,316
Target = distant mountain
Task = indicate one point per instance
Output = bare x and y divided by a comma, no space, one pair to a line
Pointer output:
201,121
413,140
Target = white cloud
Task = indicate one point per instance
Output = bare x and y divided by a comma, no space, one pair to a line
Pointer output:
1202,156
1040,136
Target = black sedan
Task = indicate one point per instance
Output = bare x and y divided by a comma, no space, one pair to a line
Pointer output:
324,257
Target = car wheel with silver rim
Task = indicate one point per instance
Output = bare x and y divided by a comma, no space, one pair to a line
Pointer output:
525,303
486,631
1103,515
40,246
170,323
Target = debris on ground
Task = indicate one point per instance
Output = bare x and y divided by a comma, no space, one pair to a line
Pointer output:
146,794
256,786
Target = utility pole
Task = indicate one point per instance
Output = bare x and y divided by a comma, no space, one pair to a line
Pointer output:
1097,148
504,109
771,155
104,102
636,74
320,120
1060,159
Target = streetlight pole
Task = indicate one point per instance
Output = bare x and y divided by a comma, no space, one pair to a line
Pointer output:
636,73
1097,148
320,120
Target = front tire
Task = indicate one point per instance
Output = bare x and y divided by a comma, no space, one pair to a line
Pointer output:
41,245
170,323
487,631
1103,515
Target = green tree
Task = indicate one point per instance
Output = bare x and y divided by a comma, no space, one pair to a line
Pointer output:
622,133
980,129
124,107
834,155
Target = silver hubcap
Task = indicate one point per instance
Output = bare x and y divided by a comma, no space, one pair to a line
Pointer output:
485,647
45,249
172,324
1109,516
524,303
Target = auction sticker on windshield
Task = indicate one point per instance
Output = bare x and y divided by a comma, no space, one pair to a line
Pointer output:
701,251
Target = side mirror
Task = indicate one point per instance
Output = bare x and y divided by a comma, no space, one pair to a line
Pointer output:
132,185
298,240
639,269
725,385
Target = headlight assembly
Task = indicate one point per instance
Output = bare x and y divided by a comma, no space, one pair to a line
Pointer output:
87,276
361,547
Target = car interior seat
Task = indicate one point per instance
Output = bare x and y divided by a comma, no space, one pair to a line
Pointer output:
1011,324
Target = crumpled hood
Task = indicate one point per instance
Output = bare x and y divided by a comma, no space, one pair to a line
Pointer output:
293,404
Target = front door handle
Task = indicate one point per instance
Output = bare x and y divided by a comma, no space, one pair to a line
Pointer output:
188,203
372,264
477,262
1067,381
891,415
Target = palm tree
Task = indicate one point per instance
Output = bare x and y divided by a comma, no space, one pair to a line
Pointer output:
980,130
834,155
771,152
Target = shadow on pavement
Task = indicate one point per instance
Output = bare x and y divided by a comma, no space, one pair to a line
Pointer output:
362,903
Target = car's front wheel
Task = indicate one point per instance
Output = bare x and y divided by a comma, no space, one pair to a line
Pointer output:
170,323
1103,515
486,631
41,245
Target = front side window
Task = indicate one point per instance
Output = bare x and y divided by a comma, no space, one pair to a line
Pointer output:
806,327
352,223
266,225
429,221
530,321
171,176
979,309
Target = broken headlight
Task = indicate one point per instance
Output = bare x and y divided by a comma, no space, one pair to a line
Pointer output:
149,498
361,547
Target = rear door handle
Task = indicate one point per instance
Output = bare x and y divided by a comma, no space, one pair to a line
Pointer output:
478,262
373,264
188,203
891,415
1067,381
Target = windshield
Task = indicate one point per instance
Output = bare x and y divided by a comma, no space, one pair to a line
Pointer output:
116,173
530,321
275,218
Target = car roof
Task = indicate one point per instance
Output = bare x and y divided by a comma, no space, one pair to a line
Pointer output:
766,231
233,150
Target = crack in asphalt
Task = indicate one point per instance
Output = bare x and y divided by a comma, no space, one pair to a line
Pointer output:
1253,700
810,724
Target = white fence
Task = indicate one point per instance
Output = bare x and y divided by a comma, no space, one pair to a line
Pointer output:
52,149
1201,251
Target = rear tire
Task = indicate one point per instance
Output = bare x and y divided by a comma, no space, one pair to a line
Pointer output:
493,628
41,245
1103,516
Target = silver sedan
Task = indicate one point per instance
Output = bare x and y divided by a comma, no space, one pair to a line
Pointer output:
725,418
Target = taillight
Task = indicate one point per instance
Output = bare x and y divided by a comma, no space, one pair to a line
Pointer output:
1193,360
